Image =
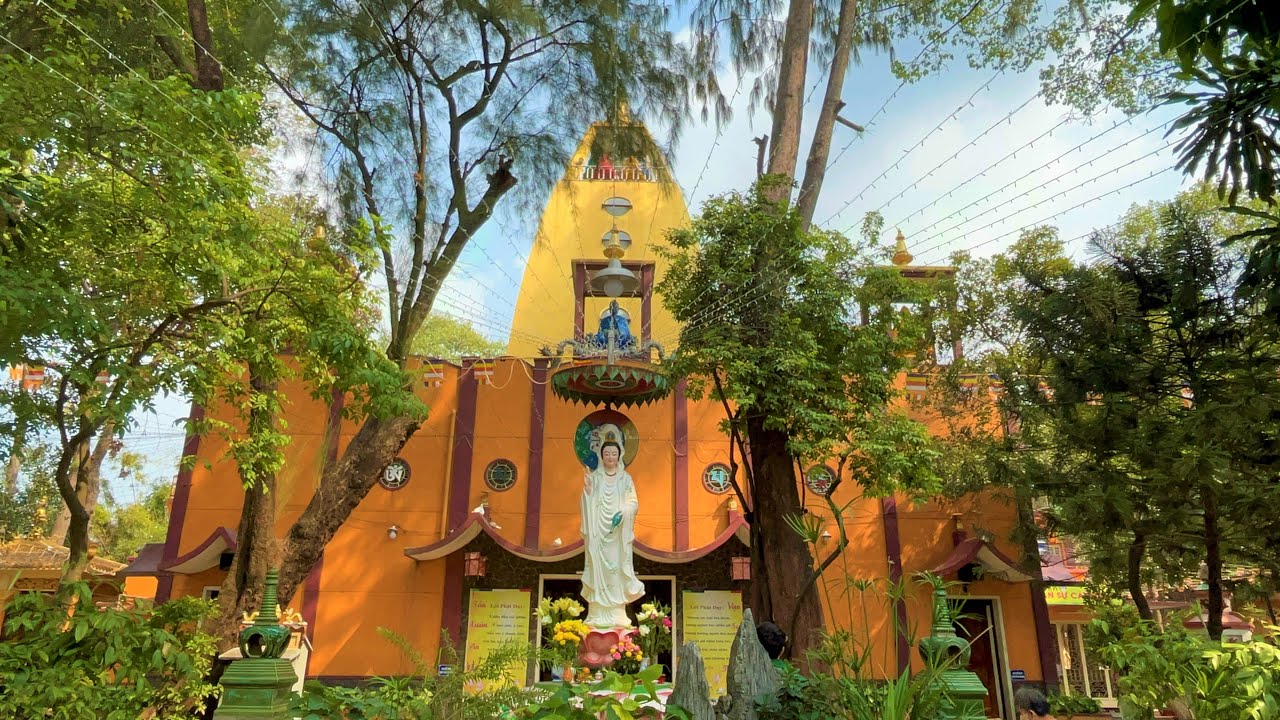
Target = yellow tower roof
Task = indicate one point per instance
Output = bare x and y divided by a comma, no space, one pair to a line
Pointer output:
568,248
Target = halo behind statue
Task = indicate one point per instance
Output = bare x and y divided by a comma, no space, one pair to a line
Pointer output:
602,426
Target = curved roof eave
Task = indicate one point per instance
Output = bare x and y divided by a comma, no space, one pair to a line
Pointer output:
477,523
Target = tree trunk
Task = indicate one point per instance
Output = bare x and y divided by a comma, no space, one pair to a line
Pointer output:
815,169
782,554
208,70
788,104
1137,552
12,468
257,547
1213,561
81,498
91,475
343,484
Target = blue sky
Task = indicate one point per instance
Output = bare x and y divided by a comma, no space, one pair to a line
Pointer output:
918,187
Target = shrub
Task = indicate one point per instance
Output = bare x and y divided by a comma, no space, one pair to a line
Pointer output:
1067,705
1163,668
63,658
488,690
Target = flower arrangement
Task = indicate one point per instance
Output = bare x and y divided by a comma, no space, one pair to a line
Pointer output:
562,632
566,636
549,612
654,632
626,657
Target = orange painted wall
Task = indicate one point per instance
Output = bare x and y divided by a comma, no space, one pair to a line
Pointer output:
367,582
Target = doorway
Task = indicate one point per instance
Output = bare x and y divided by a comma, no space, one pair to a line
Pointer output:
978,620
657,588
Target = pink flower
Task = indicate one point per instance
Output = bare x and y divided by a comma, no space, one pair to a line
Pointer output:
617,656
666,622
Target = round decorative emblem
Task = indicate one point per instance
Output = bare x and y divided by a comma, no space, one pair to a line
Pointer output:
716,478
395,475
500,475
601,426
819,479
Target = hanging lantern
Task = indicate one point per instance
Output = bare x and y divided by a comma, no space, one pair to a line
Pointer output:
473,564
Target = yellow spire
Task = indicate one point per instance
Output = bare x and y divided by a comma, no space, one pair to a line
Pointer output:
575,227
901,256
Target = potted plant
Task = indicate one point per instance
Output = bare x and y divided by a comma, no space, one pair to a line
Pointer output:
1066,707
653,633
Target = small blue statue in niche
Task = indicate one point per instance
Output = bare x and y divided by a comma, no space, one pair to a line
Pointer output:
616,319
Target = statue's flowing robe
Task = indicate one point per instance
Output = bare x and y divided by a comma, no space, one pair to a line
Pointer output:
609,579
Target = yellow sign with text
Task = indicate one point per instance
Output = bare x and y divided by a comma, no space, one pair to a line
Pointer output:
711,619
497,618
1064,595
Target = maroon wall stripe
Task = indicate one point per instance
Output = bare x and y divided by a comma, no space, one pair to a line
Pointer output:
1044,633
893,547
464,433
181,497
451,605
333,438
537,427
682,467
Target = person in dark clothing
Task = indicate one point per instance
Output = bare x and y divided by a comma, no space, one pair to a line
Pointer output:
1031,704
772,638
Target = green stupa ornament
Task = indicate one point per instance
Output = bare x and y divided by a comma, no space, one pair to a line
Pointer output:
266,637
259,684
962,691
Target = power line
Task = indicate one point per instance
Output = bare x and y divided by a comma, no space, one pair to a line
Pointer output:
1062,212
988,168
920,143
1054,179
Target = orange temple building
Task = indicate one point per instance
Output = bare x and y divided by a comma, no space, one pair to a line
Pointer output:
482,504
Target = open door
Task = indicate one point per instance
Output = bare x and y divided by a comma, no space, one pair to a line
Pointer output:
978,622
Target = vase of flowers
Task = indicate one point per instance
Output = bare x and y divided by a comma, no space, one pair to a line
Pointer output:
566,638
627,656
653,634
562,632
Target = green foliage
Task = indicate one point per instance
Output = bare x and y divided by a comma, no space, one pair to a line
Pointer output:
1158,668
481,692
122,529
1143,390
431,130
615,697
107,664
770,312
1067,705
1230,52
35,490
449,339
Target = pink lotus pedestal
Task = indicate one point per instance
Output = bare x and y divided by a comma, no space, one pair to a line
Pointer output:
597,647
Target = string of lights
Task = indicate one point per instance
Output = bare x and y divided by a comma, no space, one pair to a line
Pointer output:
1117,124
1047,218
920,143
1055,178
901,84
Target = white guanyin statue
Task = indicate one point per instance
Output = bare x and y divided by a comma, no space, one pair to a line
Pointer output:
609,506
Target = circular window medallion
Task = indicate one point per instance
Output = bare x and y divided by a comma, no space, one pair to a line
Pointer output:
395,475
716,478
500,475
819,479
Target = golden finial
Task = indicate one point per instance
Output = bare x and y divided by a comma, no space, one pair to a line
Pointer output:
900,254
41,518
